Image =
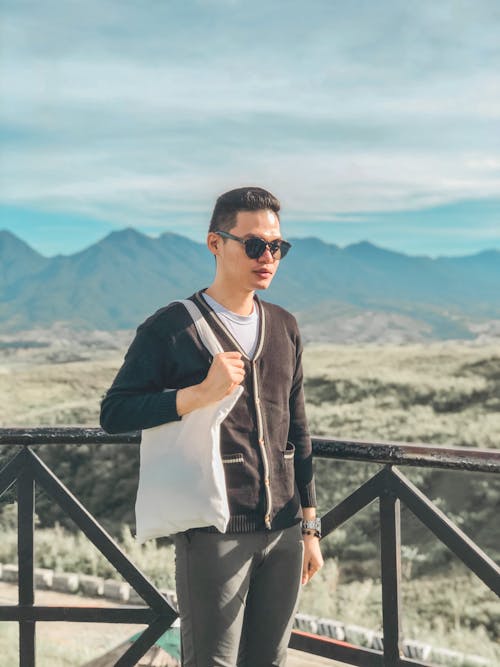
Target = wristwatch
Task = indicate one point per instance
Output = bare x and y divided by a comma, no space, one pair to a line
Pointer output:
312,526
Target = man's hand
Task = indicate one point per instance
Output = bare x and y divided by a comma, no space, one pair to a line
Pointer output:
226,372
313,560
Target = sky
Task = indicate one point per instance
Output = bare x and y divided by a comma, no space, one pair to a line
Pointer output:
373,121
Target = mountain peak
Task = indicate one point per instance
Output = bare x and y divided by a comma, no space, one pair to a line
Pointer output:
6,234
367,250
127,234
91,285
312,242
10,243
309,239
17,259
489,254
364,246
122,238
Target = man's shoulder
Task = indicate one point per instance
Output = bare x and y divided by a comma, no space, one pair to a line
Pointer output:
276,312
168,320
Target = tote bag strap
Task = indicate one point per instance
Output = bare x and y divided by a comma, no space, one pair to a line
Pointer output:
203,328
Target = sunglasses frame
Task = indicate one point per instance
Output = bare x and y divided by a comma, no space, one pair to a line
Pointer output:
280,245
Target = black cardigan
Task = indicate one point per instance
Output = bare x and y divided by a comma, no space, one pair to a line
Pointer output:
265,444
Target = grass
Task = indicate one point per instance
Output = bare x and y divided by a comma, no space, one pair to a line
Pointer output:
455,611
67,645
64,551
452,610
442,393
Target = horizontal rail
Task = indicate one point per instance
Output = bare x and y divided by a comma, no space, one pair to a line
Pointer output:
393,453
66,435
409,454
388,485
334,649
141,615
27,470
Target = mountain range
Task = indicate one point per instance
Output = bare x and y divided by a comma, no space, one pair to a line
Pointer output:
358,293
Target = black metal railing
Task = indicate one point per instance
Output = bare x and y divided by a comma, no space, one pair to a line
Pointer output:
27,469
388,485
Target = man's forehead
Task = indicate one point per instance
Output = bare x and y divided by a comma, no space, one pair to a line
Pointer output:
257,223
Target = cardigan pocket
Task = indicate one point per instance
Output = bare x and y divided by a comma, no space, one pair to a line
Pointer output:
233,458
284,476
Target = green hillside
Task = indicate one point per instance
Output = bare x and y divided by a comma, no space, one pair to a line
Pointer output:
441,393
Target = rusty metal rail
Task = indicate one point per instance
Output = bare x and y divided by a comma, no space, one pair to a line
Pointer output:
389,486
27,469
393,453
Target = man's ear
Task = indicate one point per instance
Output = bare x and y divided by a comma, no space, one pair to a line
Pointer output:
213,243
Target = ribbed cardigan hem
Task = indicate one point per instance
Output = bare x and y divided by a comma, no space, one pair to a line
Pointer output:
244,523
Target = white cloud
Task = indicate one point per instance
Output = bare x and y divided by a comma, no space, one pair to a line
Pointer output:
151,109
315,184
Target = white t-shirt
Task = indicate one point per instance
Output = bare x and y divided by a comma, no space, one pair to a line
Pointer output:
245,328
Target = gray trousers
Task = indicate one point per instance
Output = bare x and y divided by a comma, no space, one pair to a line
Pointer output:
237,595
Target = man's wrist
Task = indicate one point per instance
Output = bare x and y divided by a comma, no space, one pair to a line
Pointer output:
189,399
312,527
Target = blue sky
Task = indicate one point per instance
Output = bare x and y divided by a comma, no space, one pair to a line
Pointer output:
370,120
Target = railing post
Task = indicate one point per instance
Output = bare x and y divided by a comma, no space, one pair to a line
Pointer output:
388,485
390,538
25,551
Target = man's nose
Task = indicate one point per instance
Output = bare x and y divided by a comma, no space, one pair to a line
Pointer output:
266,256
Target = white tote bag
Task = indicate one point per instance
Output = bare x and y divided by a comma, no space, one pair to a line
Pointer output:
181,475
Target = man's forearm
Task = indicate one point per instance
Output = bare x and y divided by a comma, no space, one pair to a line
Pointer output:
189,399
224,375
309,513
122,411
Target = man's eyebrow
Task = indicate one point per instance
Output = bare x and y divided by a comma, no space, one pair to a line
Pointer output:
256,236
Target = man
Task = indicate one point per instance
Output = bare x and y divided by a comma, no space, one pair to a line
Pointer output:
237,591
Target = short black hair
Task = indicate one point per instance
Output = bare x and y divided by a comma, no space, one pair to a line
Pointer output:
241,199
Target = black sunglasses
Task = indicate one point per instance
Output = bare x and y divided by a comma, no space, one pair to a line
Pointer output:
255,247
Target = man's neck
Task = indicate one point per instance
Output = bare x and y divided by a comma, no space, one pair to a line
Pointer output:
239,302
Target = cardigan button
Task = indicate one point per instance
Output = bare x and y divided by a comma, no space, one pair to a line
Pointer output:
266,481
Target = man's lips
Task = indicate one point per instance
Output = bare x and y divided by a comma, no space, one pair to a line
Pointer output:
263,272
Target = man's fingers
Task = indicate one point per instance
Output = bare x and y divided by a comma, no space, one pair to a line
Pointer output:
229,360
229,355
227,369
313,561
237,365
308,573
232,364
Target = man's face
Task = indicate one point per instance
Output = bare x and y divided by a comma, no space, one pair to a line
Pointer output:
232,261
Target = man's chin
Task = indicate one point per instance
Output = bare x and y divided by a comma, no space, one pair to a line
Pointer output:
263,283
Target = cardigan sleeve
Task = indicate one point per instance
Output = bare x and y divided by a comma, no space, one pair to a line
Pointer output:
298,434
136,399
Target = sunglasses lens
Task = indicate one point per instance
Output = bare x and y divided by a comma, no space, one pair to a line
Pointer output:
255,247
284,248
